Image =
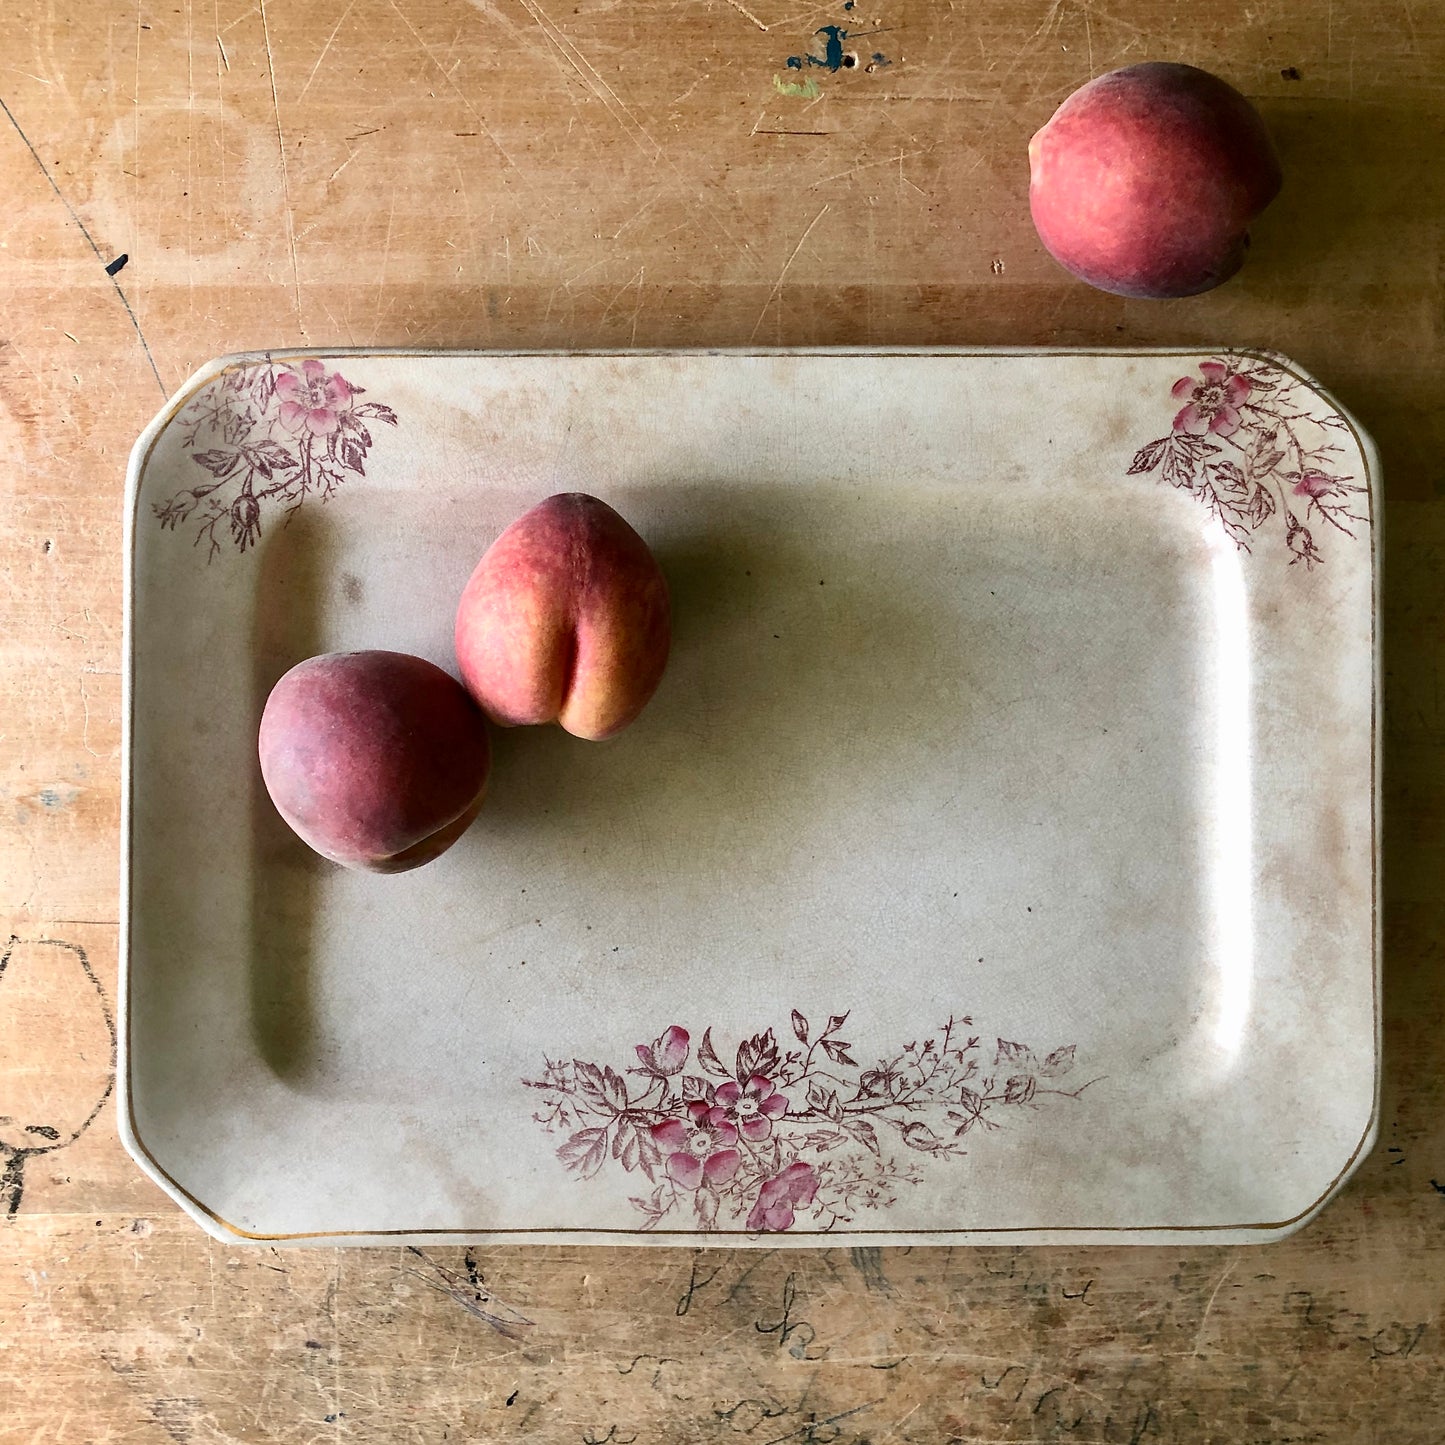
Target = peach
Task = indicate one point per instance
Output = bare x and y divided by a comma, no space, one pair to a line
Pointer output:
565,618
1145,180
377,760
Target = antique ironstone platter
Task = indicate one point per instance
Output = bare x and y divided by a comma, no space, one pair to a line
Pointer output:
998,860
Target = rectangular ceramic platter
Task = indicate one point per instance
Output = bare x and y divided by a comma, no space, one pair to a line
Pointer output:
997,861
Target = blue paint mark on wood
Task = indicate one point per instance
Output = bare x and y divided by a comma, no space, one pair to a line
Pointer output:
834,57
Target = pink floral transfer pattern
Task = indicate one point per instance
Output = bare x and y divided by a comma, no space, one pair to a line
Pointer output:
269,436
783,1134
1247,442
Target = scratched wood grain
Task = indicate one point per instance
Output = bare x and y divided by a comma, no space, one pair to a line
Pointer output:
524,172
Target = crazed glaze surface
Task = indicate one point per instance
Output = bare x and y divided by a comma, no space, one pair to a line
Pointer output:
997,859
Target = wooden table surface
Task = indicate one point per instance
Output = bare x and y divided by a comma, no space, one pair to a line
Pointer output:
183,180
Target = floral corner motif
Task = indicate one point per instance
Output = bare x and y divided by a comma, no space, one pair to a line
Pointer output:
269,436
1249,445
783,1133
